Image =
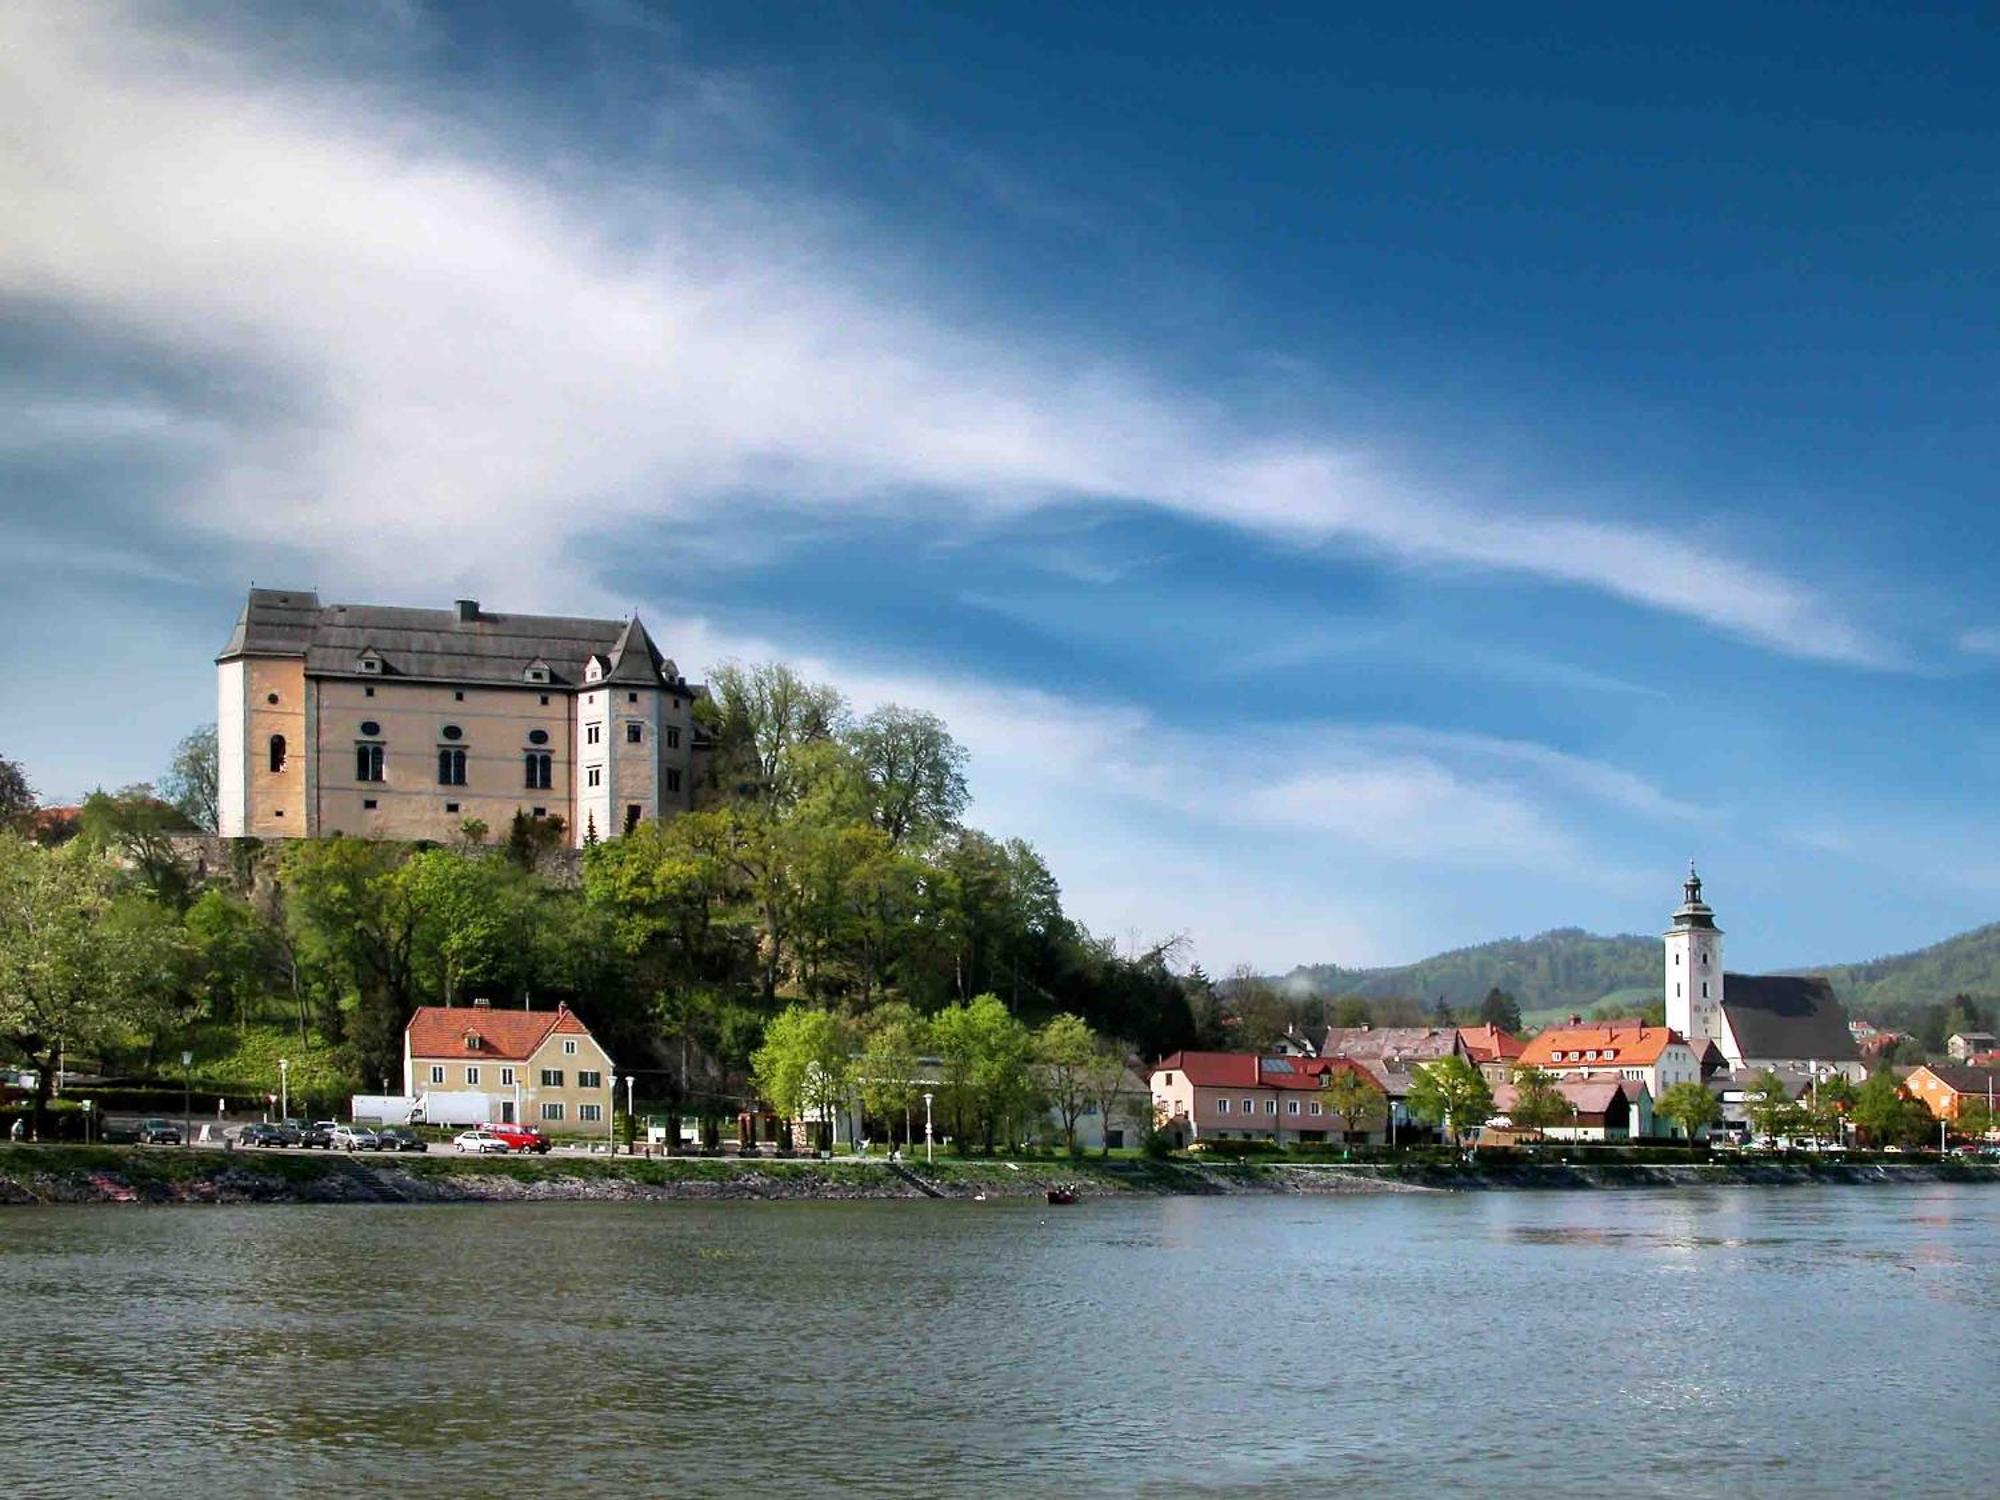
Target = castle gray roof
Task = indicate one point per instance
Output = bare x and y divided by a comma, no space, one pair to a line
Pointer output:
1787,1016
465,644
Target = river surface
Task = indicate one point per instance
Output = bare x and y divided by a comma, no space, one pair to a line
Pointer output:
1818,1341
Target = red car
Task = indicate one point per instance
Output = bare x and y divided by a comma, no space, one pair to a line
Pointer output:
519,1137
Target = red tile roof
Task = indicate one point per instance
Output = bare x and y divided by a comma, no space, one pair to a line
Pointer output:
1247,1070
1490,1043
506,1035
1626,1046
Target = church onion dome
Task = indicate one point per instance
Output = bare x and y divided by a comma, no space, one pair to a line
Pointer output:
1693,911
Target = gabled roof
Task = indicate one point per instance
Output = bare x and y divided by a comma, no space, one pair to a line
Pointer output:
1787,1016
1247,1070
465,644
1962,1078
1587,1096
1490,1043
1615,1045
503,1035
1417,1044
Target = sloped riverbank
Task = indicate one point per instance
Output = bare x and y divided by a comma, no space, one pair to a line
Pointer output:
113,1174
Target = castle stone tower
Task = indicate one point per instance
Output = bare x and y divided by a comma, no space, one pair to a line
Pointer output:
1694,970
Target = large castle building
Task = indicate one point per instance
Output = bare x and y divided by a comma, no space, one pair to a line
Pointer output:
395,723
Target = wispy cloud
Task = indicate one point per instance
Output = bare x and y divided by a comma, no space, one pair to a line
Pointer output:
477,373
1984,641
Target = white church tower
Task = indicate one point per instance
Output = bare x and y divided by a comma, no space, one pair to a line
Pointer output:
1694,971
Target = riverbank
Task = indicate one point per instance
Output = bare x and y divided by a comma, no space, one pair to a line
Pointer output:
117,1174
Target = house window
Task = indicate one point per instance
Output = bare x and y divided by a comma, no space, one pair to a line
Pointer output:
1315,1106
540,769
545,700
369,691
552,1078
367,762
592,733
506,1078
673,780
277,753
633,733
569,1048
588,1078
451,807
1249,1106
472,1075
552,1111
594,776
1222,1106
437,1075
1704,989
460,697
540,812
1291,1106
590,1112
1270,1106
451,767
368,802
631,816
452,732
673,739
631,697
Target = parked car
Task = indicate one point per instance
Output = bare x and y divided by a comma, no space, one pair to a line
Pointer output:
157,1132
262,1134
314,1134
398,1138
355,1138
480,1141
519,1137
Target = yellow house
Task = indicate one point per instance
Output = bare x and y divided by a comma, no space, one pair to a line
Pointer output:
538,1067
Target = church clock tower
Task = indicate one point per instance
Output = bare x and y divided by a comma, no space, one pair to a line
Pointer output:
1694,970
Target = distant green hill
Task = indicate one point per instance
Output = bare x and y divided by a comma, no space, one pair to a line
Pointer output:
1968,964
1561,971
1570,970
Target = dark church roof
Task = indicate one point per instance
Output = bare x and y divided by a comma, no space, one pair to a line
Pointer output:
462,644
1787,1016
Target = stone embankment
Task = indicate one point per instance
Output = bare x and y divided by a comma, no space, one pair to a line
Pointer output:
79,1174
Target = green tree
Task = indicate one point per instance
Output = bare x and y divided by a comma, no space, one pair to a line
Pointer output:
81,968
1353,1099
1538,1103
804,1066
236,952
1067,1051
914,770
190,784
984,1054
891,1065
354,928
1452,1094
1110,1089
142,831
758,716
1352,1010
1768,1105
465,919
17,797
1500,1009
1691,1107
1974,1120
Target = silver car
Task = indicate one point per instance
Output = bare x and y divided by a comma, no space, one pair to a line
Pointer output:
355,1138
480,1141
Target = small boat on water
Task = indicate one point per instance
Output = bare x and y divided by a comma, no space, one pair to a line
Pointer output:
1064,1194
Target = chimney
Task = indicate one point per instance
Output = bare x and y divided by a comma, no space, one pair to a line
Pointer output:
482,1003
468,611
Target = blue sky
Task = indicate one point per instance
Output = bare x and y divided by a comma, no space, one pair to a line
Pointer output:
1359,484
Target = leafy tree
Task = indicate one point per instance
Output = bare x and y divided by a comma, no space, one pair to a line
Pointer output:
1888,1115
80,968
142,831
1692,1107
1500,1009
236,953
1108,1084
190,785
984,1052
1067,1052
914,770
465,919
1450,1093
1353,1099
1538,1103
1261,1013
355,928
1769,1106
530,840
891,1064
759,715
1974,1119
1352,1010
17,797
804,1065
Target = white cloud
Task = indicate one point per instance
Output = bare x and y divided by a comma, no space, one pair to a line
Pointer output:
1984,641
474,373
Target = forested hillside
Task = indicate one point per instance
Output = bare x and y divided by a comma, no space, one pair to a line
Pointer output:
1567,968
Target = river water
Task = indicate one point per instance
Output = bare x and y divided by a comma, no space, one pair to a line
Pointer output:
1735,1341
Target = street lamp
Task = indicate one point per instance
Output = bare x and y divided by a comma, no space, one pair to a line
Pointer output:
187,1098
927,1130
284,1090
631,1125
611,1120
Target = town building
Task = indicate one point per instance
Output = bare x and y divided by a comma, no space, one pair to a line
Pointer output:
533,1067
1605,1109
1656,1056
1964,1045
396,723
1241,1096
1946,1088
1492,1050
1755,1021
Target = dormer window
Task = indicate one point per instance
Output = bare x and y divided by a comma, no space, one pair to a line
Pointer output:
594,671
369,662
538,671
473,1041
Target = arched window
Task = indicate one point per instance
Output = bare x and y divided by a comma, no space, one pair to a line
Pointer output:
277,753
451,767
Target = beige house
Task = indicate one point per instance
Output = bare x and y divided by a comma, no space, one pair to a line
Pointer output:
397,723
539,1067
